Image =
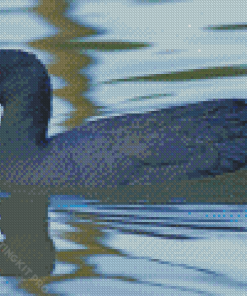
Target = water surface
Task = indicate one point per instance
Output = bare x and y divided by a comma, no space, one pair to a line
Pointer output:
114,57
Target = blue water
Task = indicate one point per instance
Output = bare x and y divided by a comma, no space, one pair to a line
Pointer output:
163,250
177,249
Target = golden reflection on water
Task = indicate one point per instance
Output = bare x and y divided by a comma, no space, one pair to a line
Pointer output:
69,59
68,62
88,234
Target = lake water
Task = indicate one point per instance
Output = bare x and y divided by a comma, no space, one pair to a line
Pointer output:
114,57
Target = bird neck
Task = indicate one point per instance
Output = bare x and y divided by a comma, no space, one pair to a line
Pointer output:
26,100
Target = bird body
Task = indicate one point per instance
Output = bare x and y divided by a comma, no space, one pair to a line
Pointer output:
195,141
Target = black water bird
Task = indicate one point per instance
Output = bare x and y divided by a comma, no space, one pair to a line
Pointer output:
178,143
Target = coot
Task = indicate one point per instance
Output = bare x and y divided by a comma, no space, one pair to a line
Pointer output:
178,143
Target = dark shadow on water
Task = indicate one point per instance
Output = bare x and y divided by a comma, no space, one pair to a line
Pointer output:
27,250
